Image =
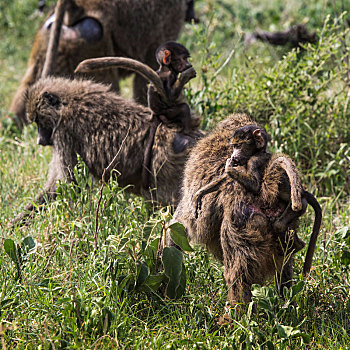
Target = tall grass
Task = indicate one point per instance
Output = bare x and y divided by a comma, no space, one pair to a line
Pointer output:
58,291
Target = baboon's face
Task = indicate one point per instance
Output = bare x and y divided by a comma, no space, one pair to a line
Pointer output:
246,142
180,63
44,112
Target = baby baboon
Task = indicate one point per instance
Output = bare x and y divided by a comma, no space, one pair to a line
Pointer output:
86,118
232,223
172,58
98,28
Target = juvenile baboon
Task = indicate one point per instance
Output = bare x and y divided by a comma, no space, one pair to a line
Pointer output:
231,223
86,118
98,28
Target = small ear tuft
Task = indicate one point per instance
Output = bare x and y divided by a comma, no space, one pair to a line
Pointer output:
52,99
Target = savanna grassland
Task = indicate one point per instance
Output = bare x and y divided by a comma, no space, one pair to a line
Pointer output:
57,291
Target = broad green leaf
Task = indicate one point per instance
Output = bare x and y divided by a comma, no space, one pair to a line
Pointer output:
345,257
154,281
297,288
11,250
172,262
306,338
180,290
179,236
142,273
281,331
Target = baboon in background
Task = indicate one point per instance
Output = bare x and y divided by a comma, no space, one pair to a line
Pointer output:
189,16
246,243
86,118
190,13
97,28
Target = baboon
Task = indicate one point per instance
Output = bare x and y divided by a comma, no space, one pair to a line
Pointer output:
275,181
98,28
189,16
294,36
165,94
231,223
89,119
172,58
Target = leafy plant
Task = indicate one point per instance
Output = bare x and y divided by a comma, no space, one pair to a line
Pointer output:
19,253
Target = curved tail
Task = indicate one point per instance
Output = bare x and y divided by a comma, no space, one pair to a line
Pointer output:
124,63
315,230
296,189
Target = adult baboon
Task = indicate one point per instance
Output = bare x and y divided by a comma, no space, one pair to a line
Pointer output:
231,223
165,95
97,28
86,118
274,180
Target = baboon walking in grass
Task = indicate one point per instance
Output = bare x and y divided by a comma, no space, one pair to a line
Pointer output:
86,118
231,221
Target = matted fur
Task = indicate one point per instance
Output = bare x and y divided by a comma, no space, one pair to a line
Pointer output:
92,121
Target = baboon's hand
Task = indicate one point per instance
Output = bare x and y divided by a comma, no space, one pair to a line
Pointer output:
188,74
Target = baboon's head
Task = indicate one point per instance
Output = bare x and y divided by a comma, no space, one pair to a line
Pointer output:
43,109
174,56
246,142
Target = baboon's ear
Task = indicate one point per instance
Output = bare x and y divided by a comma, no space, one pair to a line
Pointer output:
167,57
52,99
259,139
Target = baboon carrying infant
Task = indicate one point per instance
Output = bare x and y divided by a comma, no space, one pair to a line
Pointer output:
236,219
165,93
98,28
86,118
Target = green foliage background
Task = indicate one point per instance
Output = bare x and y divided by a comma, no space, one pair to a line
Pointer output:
63,294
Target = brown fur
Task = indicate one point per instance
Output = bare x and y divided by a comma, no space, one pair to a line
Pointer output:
156,93
130,29
91,120
271,183
249,249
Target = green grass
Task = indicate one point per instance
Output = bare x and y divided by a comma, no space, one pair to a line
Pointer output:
67,295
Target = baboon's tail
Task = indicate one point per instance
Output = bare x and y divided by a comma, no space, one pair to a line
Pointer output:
315,230
124,63
285,163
